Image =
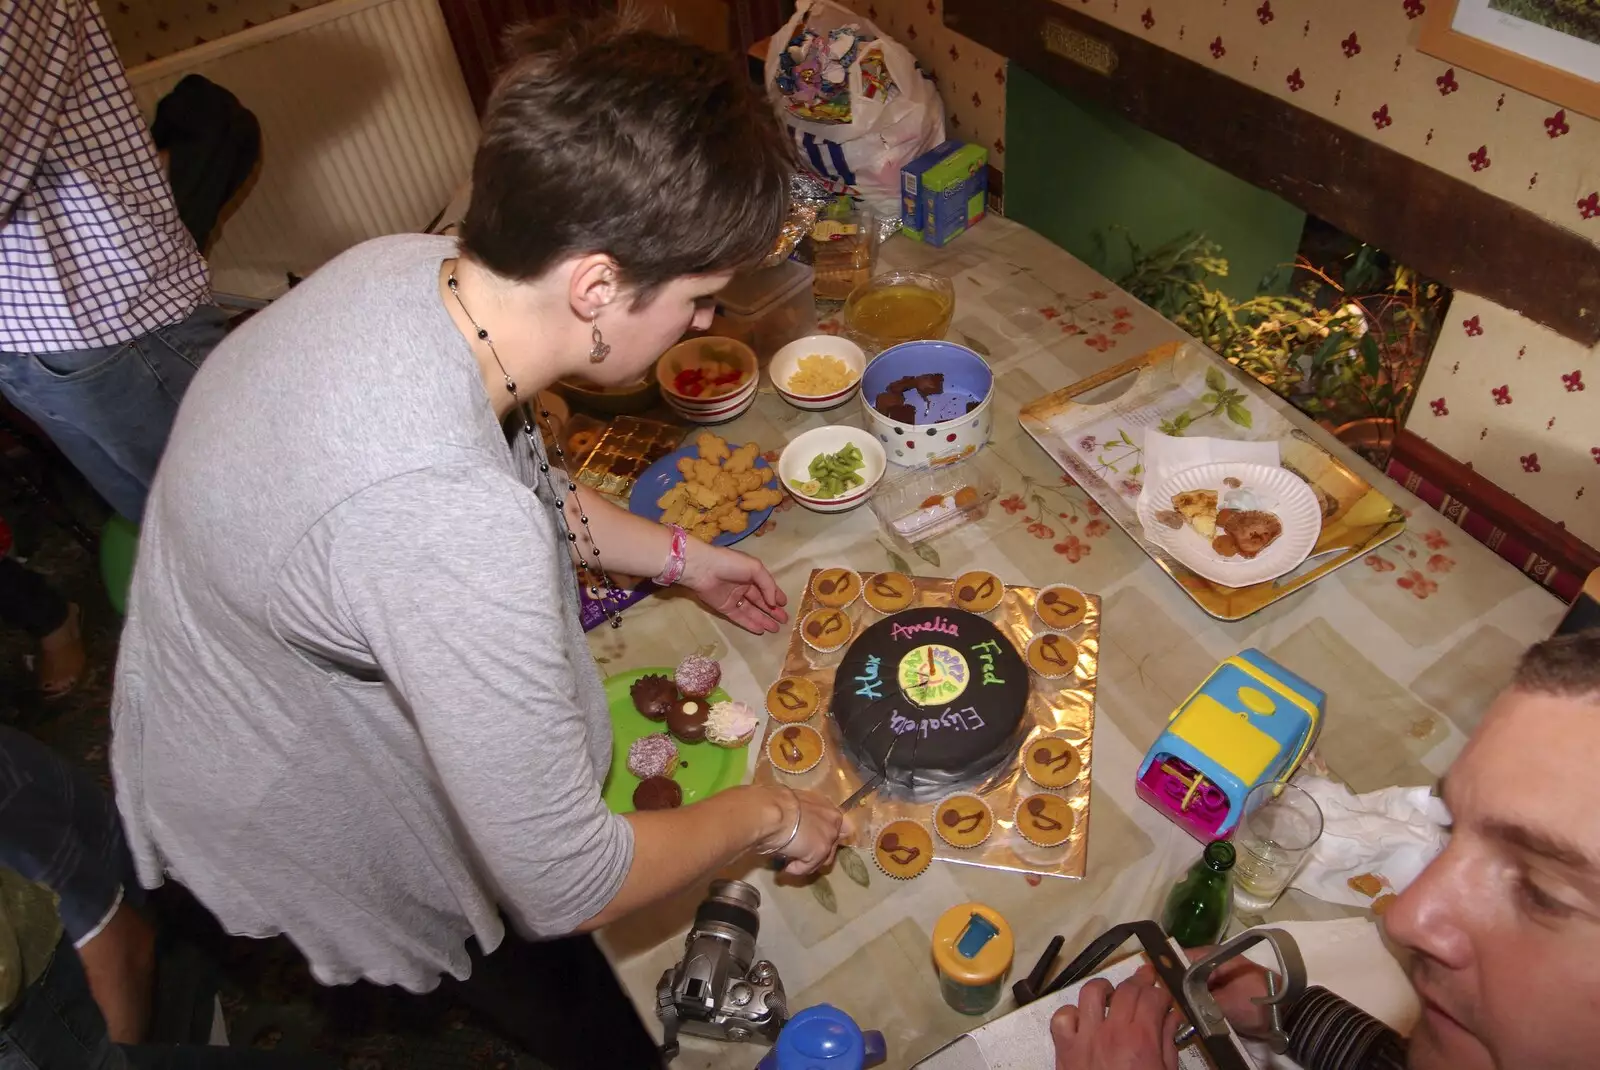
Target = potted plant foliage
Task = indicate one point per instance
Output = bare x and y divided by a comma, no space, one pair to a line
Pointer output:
1347,348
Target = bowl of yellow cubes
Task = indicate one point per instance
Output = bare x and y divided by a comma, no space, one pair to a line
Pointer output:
818,372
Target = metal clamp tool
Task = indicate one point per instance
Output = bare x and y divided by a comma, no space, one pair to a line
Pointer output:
1207,1027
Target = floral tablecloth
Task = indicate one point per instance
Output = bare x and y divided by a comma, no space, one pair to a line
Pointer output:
1410,643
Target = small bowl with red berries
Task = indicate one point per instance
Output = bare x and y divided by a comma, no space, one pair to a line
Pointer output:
708,380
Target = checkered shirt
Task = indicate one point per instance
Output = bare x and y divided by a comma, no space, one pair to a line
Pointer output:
92,251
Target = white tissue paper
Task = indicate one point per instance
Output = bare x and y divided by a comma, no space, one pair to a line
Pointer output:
1372,845
1165,456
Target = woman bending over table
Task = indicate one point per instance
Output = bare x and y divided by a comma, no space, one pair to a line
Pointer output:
354,703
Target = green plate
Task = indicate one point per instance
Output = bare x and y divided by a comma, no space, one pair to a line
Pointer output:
703,770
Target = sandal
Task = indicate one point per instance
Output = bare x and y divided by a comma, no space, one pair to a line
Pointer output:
61,658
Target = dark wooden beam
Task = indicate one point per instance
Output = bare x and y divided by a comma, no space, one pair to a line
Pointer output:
1441,226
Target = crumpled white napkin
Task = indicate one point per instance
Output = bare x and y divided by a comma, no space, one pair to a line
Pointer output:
1165,456
1389,836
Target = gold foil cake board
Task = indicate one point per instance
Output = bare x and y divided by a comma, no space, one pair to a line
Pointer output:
1184,387
1064,706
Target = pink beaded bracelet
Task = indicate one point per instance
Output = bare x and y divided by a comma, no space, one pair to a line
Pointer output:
673,571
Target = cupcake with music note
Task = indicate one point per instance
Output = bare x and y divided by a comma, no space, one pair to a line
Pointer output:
1044,820
795,749
1052,655
792,699
978,591
903,849
836,588
825,630
963,820
1051,761
889,592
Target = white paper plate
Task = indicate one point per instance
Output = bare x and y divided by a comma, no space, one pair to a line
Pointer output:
1278,491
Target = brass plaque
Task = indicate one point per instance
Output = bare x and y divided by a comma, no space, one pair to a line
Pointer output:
1088,52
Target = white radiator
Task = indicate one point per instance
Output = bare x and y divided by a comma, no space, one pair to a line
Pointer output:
366,129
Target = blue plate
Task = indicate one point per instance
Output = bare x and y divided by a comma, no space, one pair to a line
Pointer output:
662,476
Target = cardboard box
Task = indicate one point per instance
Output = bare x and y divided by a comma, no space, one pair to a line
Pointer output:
944,191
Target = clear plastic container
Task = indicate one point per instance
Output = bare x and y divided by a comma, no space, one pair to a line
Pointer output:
844,250
928,502
768,308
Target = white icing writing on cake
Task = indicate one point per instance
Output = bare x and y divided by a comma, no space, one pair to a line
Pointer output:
987,651
937,624
869,681
965,719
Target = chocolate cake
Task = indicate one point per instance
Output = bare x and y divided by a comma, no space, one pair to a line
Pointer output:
938,694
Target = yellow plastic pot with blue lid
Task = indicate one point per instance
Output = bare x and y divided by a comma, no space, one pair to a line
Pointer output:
972,949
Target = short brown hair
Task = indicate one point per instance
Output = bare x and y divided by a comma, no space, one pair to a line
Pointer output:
604,137
1564,665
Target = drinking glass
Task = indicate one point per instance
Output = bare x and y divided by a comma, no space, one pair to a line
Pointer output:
1281,824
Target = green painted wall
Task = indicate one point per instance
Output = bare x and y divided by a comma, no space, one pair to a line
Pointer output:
1074,171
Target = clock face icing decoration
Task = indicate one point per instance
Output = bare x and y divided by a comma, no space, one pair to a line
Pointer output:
931,696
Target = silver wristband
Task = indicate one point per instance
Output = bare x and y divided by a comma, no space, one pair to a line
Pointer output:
799,813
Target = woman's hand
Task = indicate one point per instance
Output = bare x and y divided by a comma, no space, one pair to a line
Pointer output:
821,830
1130,1029
735,585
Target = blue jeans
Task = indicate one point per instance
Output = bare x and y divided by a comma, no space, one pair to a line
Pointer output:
57,1026
110,409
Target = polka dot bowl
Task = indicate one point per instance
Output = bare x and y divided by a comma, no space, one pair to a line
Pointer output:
959,418
794,465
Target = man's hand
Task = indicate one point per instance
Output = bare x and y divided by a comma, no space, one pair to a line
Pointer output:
1235,985
1130,1029
735,585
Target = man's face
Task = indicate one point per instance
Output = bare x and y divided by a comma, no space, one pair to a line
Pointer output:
1505,924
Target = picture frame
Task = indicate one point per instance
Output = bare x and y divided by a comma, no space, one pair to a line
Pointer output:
1531,45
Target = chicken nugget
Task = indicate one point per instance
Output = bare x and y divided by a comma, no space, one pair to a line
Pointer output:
763,498
743,458
712,446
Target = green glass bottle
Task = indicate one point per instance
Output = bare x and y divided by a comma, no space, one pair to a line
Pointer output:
1196,913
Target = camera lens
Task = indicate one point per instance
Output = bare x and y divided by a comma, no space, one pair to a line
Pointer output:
731,903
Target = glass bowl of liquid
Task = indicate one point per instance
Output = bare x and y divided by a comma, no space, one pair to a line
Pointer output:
899,306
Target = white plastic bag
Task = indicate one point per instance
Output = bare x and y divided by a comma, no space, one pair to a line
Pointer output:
853,101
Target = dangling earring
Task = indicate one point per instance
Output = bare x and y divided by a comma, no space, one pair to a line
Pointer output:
599,348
